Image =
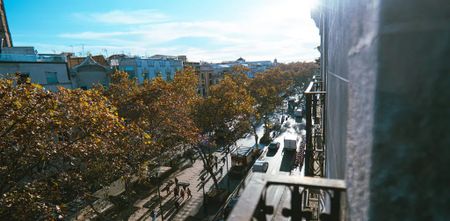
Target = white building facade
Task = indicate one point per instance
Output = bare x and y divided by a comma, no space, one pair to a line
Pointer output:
48,70
149,68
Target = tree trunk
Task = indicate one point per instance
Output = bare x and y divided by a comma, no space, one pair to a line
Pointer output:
207,166
256,134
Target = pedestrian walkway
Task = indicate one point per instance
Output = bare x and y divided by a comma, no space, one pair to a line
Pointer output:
188,206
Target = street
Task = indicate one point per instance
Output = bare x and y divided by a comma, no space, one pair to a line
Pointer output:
280,163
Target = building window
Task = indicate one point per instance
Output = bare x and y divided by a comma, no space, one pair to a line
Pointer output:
52,77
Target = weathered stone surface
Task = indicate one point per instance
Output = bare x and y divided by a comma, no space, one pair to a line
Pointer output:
411,154
387,69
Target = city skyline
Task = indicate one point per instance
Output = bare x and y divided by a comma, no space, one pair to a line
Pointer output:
207,31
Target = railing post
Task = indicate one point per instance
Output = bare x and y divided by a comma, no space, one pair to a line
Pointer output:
335,206
296,204
308,152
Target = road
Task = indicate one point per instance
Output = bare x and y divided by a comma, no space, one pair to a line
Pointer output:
280,163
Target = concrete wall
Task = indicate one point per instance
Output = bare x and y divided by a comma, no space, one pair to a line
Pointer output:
37,72
411,151
89,76
387,70
349,66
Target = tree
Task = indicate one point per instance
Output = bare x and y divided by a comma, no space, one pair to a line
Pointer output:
223,116
120,92
267,89
57,147
162,109
299,73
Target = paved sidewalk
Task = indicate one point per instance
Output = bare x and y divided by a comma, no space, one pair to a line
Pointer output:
188,207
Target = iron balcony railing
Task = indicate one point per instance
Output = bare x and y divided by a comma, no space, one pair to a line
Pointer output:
310,198
315,156
253,203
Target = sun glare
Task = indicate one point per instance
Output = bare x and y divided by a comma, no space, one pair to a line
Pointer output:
312,4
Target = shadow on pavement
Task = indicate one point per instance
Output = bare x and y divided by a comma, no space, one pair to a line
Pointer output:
287,161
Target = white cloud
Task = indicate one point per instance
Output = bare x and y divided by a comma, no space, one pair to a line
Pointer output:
273,29
120,17
93,35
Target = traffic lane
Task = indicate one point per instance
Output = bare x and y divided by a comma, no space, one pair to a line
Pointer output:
281,163
274,195
249,140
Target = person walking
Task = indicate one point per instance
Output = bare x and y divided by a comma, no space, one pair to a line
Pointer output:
176,182
153,215
182,194
175,191
188,192
168,189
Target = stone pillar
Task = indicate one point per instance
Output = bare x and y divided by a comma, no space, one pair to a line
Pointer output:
5,35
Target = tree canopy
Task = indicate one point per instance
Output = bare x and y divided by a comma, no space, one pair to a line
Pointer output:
56,147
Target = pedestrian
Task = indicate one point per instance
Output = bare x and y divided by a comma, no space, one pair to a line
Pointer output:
168,189
175,191
153,215
182,194
189,194
177,205
176,181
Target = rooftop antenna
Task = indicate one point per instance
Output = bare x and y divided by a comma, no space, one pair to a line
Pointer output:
105,51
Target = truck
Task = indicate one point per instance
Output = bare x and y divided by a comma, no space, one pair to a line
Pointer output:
291,142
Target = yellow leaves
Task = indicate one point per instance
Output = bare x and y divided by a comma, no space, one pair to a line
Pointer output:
17,104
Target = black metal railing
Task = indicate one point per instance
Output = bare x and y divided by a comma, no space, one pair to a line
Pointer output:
296,203
315,155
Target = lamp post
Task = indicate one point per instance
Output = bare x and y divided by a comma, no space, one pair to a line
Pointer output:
159,194
228,169
204,195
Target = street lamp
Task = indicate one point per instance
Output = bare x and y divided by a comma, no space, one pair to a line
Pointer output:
225,160
204,195
159,194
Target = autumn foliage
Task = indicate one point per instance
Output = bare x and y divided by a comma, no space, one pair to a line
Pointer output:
56,147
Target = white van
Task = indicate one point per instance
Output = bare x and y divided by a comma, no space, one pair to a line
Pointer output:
291,142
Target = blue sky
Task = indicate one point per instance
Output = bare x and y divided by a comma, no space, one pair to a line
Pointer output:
207,30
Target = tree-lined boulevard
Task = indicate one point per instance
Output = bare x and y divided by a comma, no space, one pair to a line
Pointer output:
57,148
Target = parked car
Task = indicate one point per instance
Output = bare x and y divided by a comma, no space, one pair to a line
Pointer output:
260,166
274,146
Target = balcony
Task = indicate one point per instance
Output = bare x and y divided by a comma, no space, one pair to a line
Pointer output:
300,202
315,156
312,197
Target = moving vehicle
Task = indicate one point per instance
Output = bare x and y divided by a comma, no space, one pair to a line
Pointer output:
241,159
274,146
260,166
291,142
298,112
